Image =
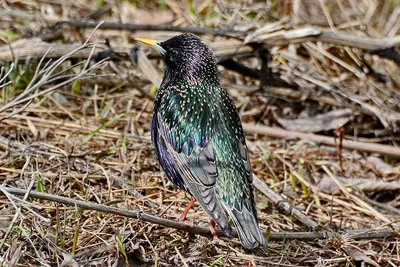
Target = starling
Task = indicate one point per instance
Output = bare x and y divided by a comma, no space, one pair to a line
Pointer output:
199,140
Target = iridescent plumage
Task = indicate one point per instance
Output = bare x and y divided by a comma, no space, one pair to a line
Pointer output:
199,138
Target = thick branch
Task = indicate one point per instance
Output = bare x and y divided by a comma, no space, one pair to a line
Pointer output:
313,34
37,48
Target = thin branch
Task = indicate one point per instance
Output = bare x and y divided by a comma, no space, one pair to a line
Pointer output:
140,215
325,140
148,27
16,102
18,209
3,77
47,74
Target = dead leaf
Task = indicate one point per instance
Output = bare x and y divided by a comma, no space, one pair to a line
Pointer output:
32,128
14,254
324,122
69,260
59,98
358,256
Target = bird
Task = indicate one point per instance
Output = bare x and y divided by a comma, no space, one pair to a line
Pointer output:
199,140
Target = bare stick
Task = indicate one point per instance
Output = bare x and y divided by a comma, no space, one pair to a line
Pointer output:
284,205
348,144
37,48
140,215
3,77
309,34
150,27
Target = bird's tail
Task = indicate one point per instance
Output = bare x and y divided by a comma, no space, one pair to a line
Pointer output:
247,228
208,200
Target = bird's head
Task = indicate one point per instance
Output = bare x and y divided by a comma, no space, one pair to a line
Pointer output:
184,54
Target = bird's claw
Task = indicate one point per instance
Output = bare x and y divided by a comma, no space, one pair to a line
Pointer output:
213,231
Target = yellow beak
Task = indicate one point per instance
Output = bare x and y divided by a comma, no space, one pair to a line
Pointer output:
152,43
146,41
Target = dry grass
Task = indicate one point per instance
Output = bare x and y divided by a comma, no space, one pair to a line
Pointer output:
89,140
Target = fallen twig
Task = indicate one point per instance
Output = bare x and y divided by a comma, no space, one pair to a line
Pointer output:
149,27
140,215
37,48
313,34
284,205
347,144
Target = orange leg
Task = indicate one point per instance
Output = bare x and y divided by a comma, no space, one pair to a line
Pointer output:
212,229
186,211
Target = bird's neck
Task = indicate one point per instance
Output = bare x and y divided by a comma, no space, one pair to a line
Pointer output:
190,86
194,68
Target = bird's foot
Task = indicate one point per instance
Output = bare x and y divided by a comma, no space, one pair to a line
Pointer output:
184,220
212,229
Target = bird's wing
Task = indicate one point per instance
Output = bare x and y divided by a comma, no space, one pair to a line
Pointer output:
244,154
195,164
235,176
195,160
